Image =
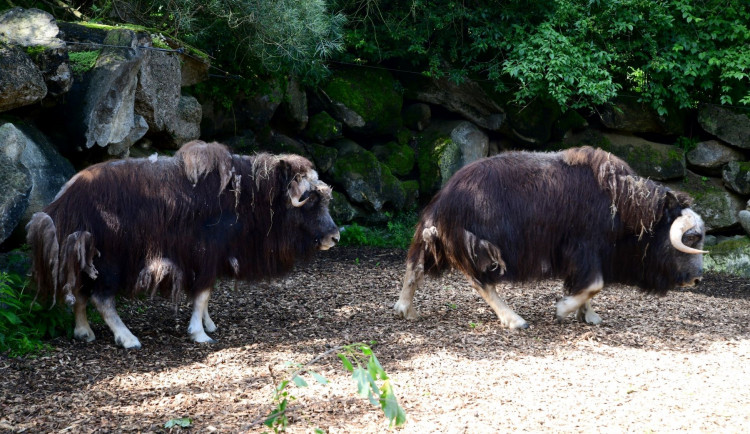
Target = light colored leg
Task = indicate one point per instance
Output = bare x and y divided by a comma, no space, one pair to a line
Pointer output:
508,318
195,328
82,330
123,336
413,278
208,324
581,304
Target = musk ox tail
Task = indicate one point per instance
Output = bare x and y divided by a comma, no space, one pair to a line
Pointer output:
57,269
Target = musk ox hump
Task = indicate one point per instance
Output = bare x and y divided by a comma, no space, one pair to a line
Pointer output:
200,158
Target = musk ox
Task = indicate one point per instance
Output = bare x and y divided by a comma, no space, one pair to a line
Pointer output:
173,225
581,215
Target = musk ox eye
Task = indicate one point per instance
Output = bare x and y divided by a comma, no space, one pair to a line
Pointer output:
691,239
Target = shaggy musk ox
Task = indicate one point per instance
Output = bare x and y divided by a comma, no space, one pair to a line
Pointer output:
174,225
582,215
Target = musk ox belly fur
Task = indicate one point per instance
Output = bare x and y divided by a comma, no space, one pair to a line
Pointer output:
581,215
173,225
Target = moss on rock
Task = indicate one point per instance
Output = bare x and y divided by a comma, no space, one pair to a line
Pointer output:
323,128
398,158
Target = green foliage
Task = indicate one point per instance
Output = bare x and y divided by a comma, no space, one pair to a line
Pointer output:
580,53
23,321
182,422
397,232
82,61
247,37
365,374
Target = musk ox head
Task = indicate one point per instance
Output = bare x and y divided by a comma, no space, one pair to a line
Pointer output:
308,203
679,241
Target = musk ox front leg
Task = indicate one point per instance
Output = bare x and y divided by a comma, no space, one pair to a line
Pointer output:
200,314
413,278
123,336
508,318
580,303
82,330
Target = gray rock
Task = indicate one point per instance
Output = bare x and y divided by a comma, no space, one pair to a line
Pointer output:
21,81
186,125
711,155
323,128
109,103
474,143
729,256
718,206
628,115
467,99
14,196
341,210
35,160
744,217
365,180
158,90
294,106
727,124
736,176
28,28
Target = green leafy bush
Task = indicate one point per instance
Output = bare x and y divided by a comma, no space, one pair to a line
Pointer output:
669,53
24,323
397,232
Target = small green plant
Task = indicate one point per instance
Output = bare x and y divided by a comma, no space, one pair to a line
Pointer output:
451,306
182,422
82,61
474,325
687,144
23,321
397,232
365,374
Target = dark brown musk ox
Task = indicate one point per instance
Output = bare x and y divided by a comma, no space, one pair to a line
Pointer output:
174,225
581,215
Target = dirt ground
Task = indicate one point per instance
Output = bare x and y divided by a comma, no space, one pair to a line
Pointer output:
678,363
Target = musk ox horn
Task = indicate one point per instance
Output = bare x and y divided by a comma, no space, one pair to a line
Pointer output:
297,189
682,224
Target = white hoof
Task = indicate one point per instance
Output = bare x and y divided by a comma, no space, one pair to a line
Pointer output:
516,323
588,316
84,334
129,342
209,325
202,338
405,310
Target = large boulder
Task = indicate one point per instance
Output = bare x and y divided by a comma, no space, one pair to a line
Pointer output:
398,158
21,82
710,156
294,105
365,101
37,32
157,91
101,106
186,124
736,176
323,128
718,207
443,148
14,196
30,158
729,255
649,159
467,99
627,115
727,124
365,180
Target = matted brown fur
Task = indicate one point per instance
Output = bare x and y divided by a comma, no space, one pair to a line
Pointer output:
576,214
174,225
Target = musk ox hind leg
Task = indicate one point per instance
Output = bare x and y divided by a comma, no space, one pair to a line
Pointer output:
508,318
82,330
413,278
123,336
200,314
580,304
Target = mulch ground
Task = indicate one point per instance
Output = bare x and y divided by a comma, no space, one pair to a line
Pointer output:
677,363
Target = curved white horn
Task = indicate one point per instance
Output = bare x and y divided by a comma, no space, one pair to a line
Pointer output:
681,225
298,203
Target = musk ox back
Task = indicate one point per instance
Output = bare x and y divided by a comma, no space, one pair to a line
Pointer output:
581,215
173,225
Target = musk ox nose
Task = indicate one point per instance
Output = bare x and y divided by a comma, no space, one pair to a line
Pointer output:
329,240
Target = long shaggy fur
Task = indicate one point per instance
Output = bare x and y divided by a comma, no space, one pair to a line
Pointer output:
173,224
574,214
